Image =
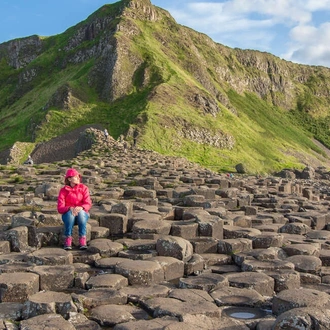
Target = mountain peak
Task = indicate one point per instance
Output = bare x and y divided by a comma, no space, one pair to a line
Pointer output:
138,3
142,9
130,68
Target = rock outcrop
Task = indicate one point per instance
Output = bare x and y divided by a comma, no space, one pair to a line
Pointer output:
171,245
132,61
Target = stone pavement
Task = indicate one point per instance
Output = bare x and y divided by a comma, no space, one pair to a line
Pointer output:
170,246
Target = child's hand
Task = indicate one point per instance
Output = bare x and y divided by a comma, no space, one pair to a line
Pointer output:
75,210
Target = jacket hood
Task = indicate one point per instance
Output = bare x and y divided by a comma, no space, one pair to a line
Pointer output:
71,172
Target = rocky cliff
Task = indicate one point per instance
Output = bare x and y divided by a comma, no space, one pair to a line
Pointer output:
130,66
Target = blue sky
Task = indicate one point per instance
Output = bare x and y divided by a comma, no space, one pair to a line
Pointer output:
295,30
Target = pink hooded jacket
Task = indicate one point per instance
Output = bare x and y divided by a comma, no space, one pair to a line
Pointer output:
73,196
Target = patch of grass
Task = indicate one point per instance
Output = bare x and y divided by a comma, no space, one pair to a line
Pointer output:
16,179
262,132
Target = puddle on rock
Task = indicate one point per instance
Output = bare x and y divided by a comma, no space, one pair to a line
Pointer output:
242,315
245,313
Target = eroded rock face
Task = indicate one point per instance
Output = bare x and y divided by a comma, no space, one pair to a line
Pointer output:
142,8
64,99
204,136
117,68
22,51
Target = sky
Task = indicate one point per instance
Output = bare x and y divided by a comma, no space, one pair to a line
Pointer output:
294,30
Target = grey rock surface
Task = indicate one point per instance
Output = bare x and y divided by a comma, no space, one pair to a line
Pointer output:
171,245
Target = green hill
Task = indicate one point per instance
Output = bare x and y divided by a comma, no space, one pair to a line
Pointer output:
131,68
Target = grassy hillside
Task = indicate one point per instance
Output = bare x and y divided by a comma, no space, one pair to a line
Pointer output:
266,138
186,95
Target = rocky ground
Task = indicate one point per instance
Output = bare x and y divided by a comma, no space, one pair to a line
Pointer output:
170,246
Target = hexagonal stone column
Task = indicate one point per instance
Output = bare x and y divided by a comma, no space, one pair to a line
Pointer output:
47,321
55,278
140,271
295,298
258,281
47,302
205,282
16,287
50,256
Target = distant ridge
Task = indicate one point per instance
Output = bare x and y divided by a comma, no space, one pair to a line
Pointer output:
132,69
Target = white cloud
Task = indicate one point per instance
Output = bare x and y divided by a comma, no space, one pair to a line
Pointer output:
285,11
310,44
288,26
315,5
